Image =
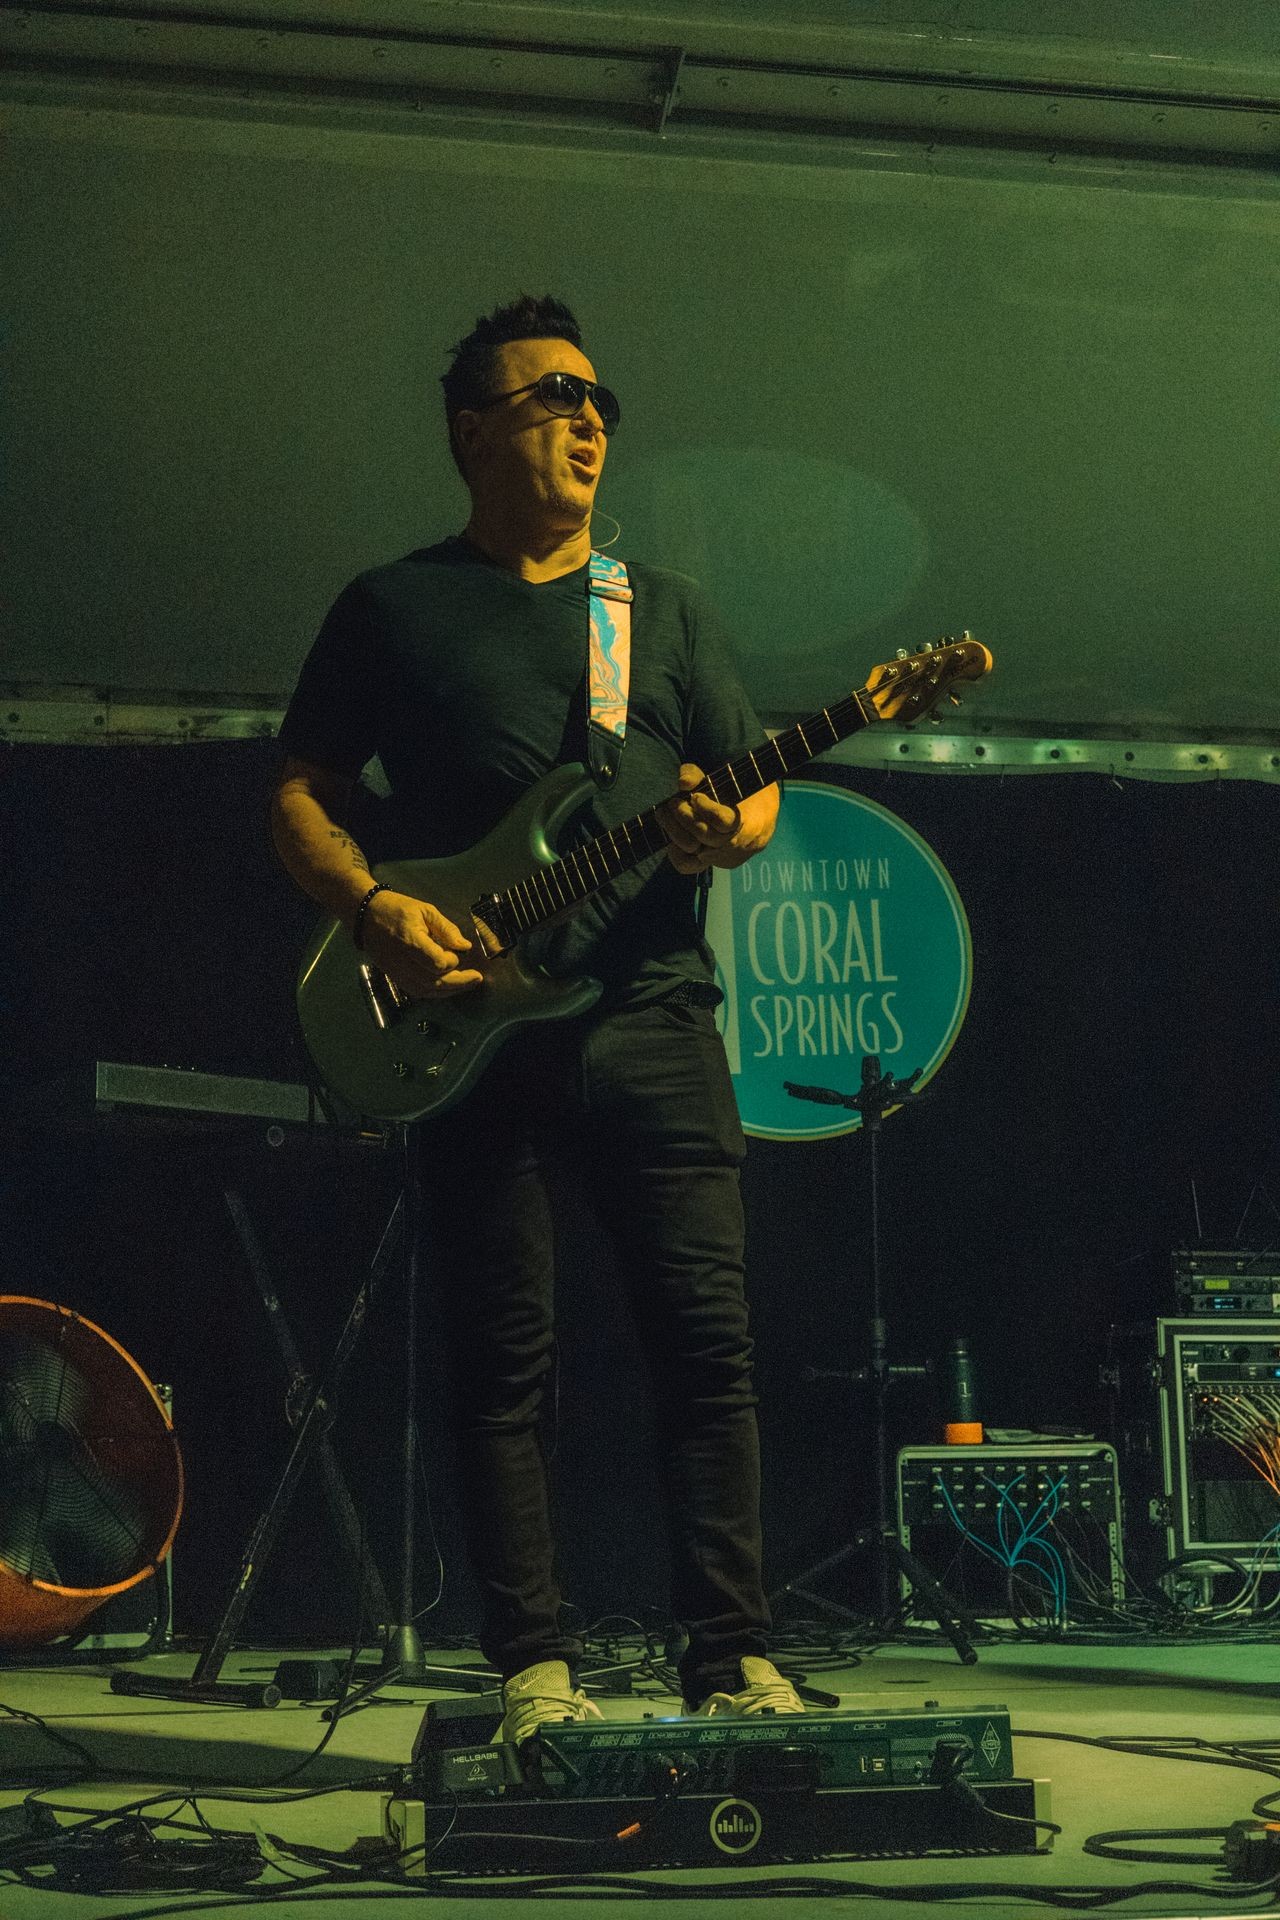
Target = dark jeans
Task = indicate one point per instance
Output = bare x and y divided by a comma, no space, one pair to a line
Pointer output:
641,1105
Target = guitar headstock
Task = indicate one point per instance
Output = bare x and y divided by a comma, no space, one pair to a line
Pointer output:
909,687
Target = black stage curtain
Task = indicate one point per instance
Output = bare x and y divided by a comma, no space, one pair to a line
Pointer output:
1117,1071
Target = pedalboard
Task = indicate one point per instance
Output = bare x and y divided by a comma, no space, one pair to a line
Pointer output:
687,1790
523,1833
593,1759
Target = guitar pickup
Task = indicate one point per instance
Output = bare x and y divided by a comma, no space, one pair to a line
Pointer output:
382,996
490,927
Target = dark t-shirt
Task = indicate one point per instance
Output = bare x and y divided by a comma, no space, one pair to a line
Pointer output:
469,683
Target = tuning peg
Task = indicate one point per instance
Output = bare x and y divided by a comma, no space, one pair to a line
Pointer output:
927,647
955,699
902,654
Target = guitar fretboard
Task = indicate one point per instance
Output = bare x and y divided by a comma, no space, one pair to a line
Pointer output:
549,890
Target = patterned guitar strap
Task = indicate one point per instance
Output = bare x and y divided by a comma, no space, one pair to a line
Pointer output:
609,598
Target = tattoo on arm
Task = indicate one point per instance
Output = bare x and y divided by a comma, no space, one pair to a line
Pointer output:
345,840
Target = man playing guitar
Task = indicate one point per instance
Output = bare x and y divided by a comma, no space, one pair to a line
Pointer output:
462,667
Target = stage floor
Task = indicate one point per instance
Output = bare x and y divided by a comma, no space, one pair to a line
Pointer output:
1221,1693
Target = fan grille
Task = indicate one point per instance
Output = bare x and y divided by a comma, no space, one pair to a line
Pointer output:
90,1473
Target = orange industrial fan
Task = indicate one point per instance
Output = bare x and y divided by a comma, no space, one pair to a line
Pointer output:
90,1472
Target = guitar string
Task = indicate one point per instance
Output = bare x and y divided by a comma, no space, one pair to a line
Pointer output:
522,905
520,902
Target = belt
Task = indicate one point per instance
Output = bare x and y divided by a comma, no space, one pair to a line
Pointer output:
693,993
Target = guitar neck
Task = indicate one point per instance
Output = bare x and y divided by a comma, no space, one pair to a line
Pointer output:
547,892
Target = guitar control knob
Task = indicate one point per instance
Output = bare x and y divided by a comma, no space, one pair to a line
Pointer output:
427,1027
401,1069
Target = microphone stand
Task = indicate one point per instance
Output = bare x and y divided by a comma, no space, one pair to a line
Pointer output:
877,1094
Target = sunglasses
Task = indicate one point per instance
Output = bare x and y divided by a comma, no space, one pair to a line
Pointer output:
567,394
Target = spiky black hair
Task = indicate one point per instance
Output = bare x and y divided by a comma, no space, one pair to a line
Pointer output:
469,380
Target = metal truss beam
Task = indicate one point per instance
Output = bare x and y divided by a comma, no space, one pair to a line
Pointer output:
731,78
97,716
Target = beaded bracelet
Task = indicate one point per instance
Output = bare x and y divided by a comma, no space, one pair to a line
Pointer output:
357,925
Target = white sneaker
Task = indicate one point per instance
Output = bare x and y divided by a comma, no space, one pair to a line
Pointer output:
764,1690
540,1696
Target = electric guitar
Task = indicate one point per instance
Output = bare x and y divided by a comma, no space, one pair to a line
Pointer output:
397,1059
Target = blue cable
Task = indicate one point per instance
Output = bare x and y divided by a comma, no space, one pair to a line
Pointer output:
1038,1539
983,1546
1056,1573
1259,1552
1008,1559
1006,1497
1030,1536
1052,1494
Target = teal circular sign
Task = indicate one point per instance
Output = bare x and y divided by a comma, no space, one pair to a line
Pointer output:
845,937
